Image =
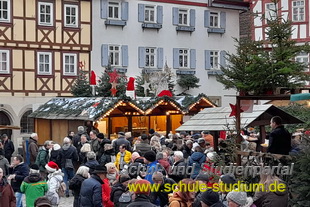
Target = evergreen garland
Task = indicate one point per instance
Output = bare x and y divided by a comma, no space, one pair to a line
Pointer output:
81,87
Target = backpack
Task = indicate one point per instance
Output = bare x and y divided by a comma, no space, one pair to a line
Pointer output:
62,188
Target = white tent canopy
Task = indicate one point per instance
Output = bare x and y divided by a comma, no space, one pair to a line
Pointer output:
217,119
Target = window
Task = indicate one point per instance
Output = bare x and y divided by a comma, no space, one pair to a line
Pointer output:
298,10
183,17
114,12
71,16
270,11
69,64
44,63
4,10
214,19
150,53
214,59
149,15
26,123
45,14
4,61
114,55
183,58
305,60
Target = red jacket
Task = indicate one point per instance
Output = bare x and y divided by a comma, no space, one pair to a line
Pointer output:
106,191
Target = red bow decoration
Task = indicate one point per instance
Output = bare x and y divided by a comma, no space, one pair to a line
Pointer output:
93,78
234,110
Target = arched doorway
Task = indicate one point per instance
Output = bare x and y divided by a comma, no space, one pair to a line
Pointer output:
5,120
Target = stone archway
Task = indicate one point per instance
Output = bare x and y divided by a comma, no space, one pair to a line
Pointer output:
5,120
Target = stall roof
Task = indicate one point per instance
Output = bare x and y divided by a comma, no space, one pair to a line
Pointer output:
93,108
217,119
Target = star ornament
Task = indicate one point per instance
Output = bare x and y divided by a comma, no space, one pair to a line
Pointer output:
114,84
113,76
146,86
234,110
113,91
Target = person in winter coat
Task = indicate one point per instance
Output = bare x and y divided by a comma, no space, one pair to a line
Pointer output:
83,153
91,161
18,172
75,183
142,196
8,147
178,167
91,190
120,141
143,146
118,189
68,155
183,197
77,137
42,158
55,154
4,163
196,160
187,149
152,165
106,150
160,197
55,177
123,157
202,179
7,194
33,147
106,192
94,142
279,138
155,142
210,198
33,186
267,198
136,164
161,157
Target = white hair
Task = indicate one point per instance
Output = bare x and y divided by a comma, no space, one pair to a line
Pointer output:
67,140
33,135
178,154
83,170
86,148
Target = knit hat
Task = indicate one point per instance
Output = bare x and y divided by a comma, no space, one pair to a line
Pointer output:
151,131
143,187
34,168
144,136
237,197
228,179
121,133
100,135
42,201
201,140
210,197
211,155
202,177
51,166
150,156
123,178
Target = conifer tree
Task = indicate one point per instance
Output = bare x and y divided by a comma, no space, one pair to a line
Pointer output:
81,87
187,82
255,70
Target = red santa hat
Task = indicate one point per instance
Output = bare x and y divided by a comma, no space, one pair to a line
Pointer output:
51,166
130,91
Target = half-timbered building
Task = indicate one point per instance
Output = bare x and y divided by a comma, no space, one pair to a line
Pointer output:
43,44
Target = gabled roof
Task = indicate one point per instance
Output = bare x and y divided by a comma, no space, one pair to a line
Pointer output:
93,108
217,119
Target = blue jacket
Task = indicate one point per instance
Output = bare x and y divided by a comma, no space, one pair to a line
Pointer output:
91,192
196,158
150,171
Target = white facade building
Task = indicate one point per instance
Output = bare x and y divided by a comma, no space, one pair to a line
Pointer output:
192,37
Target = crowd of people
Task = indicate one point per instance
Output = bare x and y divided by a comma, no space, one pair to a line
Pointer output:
98,171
